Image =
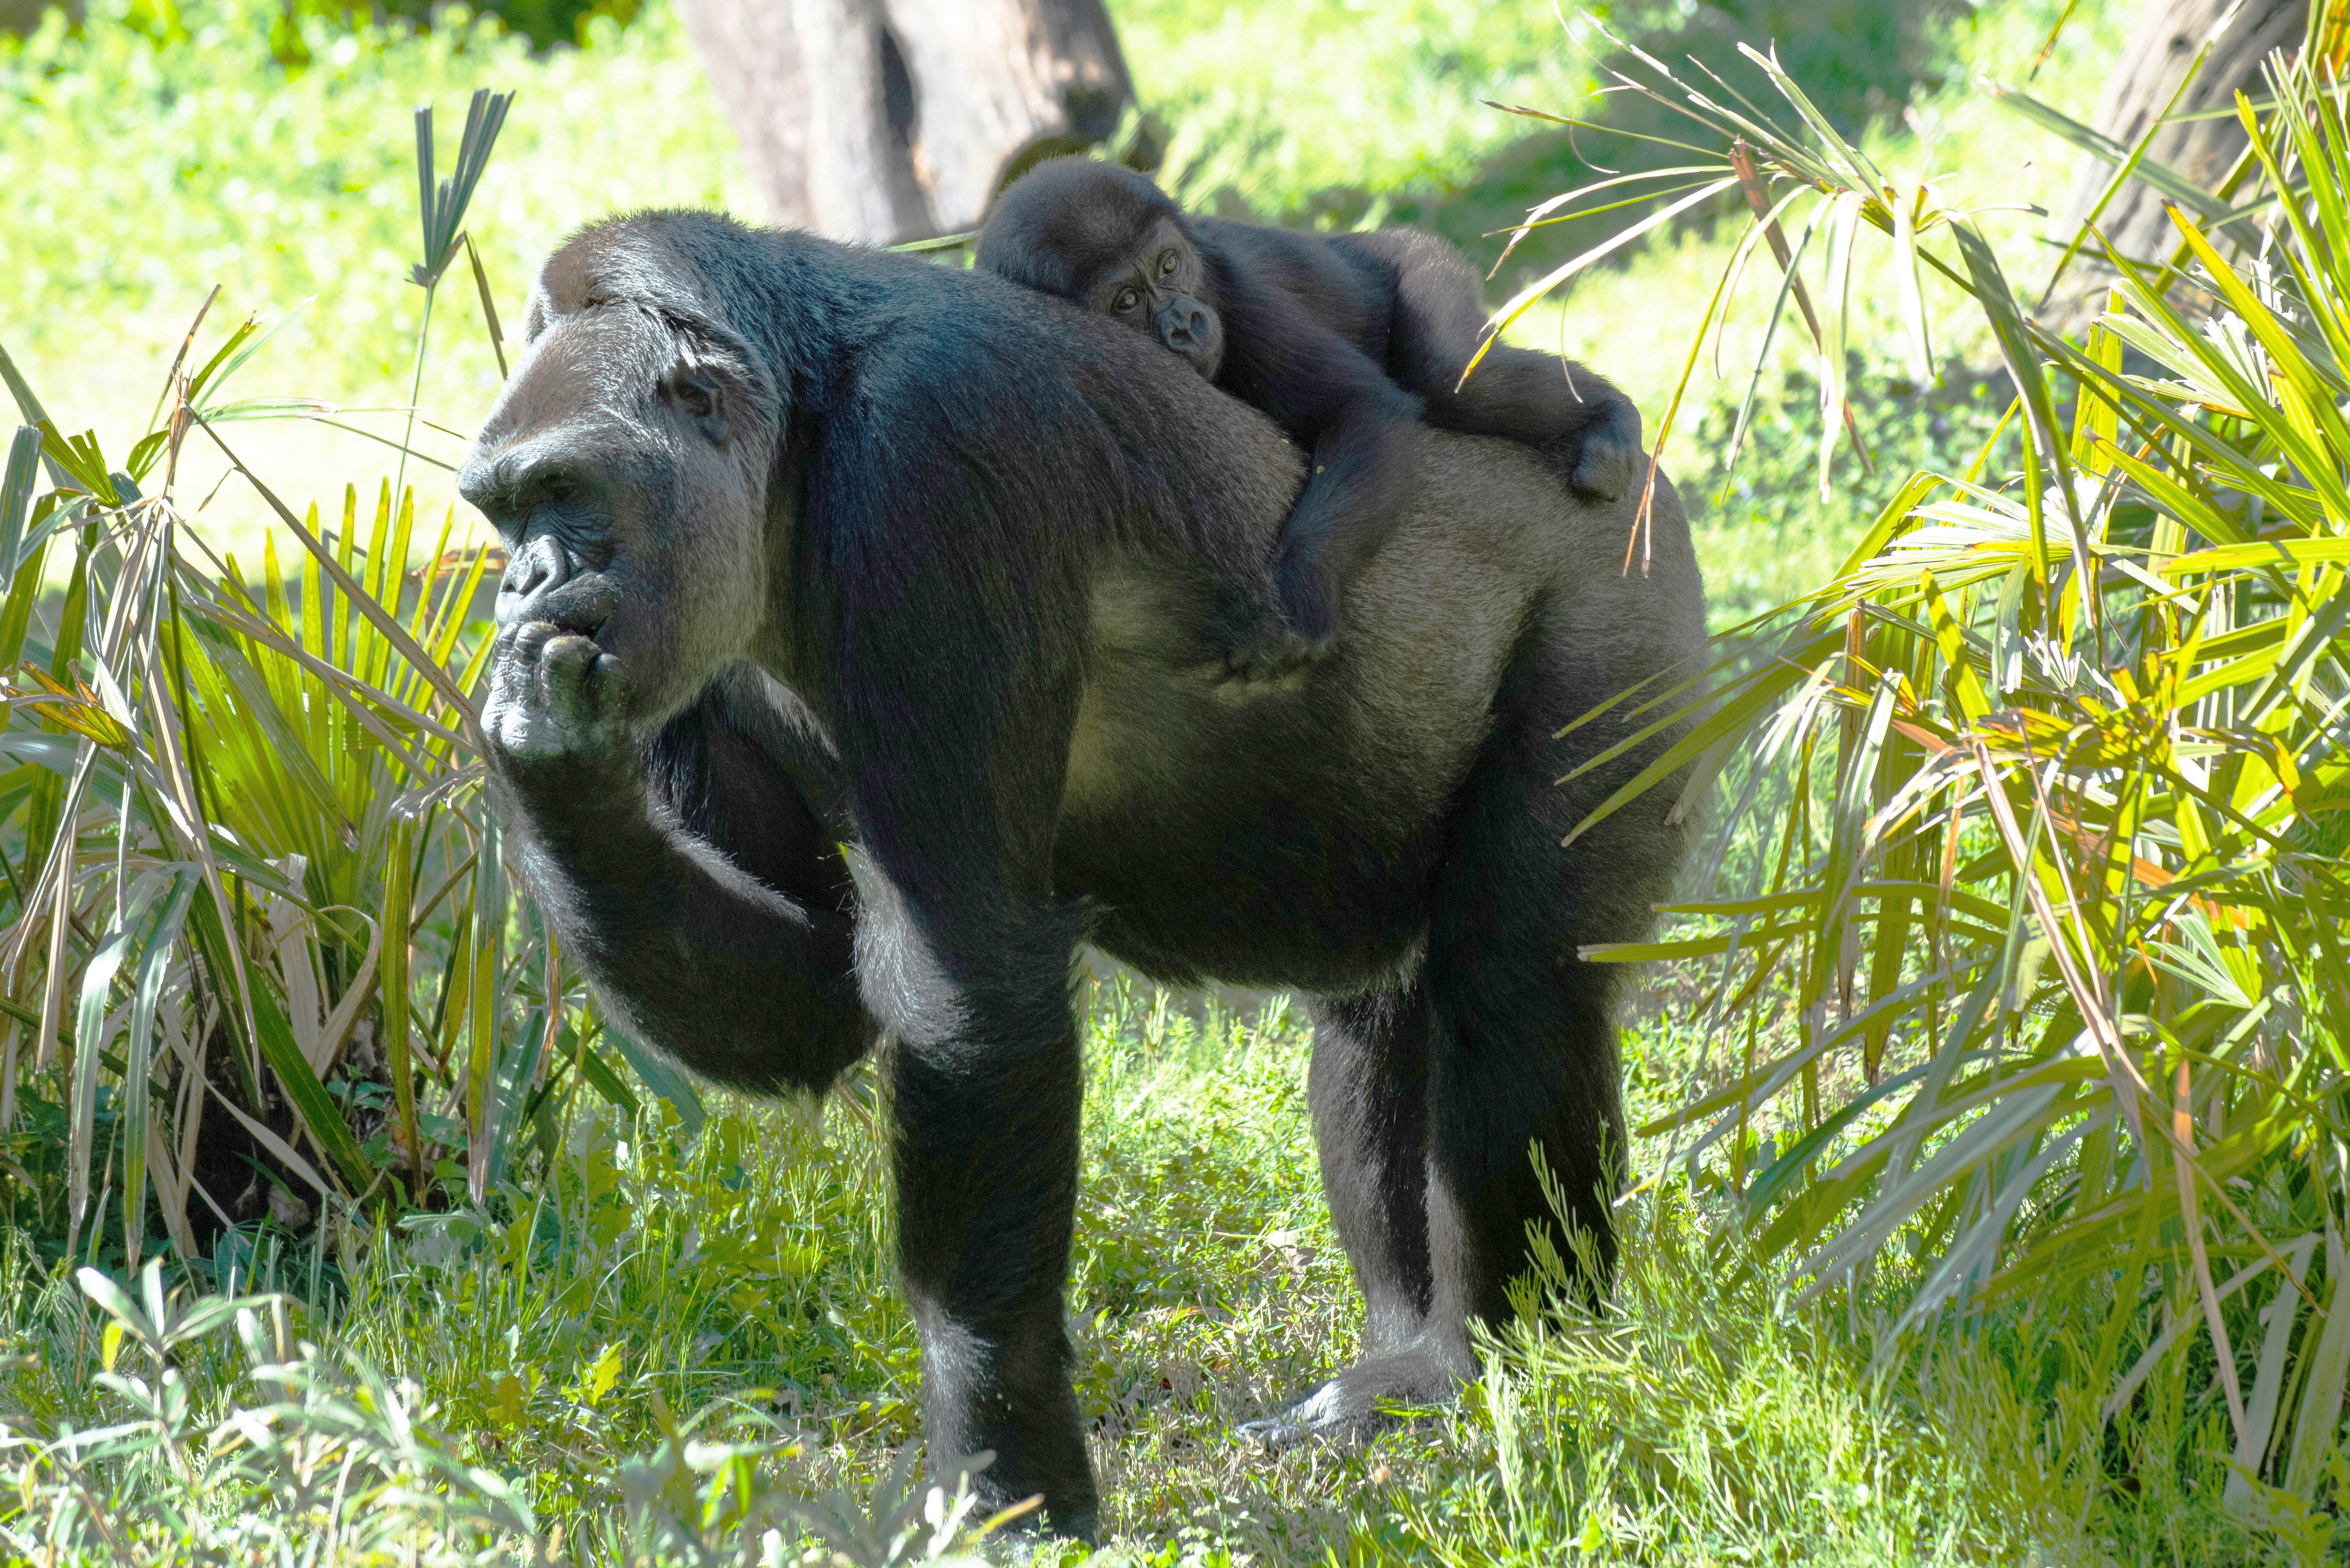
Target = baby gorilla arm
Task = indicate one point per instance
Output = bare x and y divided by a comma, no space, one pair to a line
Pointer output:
1365,435
706,902
1587,430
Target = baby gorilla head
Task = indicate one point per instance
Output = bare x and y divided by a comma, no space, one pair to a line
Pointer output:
1106,239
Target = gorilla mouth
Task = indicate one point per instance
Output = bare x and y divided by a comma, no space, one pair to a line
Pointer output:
583,608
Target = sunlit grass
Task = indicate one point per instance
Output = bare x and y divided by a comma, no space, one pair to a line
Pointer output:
747,1274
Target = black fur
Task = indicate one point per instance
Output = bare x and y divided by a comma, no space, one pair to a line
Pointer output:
819,547
1349,340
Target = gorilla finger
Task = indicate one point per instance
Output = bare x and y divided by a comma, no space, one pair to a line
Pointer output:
570,678
1249,665
555,670
530,637
1281,656
513,670
518,658
1309,651
505,648
569,650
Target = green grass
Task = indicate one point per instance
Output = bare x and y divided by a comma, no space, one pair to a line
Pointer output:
1256,95
744,1278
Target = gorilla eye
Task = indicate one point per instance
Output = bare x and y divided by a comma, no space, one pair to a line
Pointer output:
1166,263
1127,300
560,490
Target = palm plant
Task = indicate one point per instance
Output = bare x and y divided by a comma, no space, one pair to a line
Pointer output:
2044,971
233,819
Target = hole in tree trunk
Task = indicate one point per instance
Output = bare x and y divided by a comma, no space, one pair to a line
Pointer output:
896,93
902,174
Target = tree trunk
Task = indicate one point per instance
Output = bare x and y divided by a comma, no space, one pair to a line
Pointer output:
887,120
2151,69
21,16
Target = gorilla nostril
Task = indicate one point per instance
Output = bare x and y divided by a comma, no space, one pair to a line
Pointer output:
1183,326
537,570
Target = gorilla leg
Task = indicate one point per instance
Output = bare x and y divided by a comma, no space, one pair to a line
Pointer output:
1367,1087
986,1091
986,1176
1527,1055
1521,1052
1527,1061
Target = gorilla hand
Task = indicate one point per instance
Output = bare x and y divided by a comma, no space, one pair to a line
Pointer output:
554,695
1246,636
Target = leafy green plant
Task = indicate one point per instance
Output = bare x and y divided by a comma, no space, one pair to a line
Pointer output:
2044,976
331,1454
259,940
308,1453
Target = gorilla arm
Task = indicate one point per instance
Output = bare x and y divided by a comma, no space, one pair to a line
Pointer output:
691,877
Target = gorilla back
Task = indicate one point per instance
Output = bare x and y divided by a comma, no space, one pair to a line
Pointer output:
852,668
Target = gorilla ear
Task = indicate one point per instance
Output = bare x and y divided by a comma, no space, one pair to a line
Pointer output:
693,391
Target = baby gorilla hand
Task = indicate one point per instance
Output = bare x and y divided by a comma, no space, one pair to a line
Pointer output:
1247,638
554,694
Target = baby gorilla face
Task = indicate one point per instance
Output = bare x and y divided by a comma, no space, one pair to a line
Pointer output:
1155,290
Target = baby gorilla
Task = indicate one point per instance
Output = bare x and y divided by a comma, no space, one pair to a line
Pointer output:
1347,341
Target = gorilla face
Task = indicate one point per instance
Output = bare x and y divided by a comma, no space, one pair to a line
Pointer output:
625,467
1106,239
1160,288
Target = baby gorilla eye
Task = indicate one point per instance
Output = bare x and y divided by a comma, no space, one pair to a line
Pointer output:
1127,300
1166,263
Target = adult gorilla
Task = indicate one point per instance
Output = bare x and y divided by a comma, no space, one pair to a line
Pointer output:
850,674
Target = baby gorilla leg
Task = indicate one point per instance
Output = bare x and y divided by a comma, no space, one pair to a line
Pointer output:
1587,430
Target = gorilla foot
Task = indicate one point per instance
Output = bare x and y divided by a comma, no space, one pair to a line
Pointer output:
1604,460
1364,1397
1605,468
1039,1537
